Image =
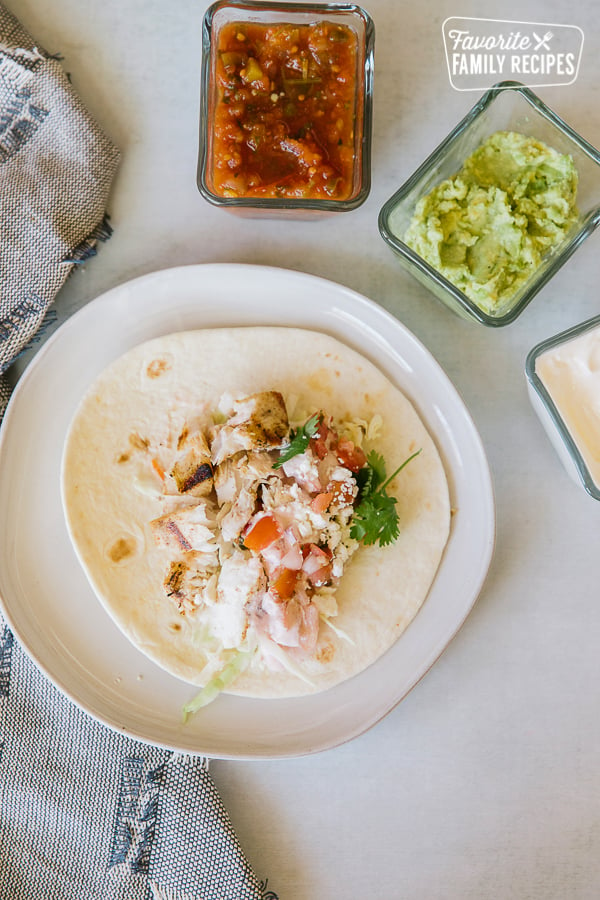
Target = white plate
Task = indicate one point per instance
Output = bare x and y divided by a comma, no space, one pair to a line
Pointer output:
45,594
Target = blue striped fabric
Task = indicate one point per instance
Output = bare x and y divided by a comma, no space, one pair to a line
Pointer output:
56,171
87,813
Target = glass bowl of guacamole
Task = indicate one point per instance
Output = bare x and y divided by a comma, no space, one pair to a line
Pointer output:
497,208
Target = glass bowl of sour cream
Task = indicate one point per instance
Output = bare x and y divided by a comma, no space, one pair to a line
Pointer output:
563,380
497,208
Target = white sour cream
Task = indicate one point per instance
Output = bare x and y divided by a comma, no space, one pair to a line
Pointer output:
570,373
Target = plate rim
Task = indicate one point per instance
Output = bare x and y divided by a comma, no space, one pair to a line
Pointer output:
73,323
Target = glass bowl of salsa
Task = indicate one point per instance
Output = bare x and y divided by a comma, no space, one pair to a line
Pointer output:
286,107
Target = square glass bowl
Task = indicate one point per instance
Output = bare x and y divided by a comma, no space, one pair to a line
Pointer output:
279,80
563,380
509,106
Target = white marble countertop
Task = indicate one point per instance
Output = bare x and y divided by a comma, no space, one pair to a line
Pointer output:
485,780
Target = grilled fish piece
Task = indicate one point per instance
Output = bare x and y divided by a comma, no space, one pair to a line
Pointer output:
185,584
192,471
239,472
242,510
230,477
237,480
174,584
175,577
259,422
241,581
185,530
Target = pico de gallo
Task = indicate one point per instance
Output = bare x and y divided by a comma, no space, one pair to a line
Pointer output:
260,520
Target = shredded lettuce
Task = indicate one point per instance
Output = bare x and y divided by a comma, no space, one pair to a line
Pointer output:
336,630
223,678
270,648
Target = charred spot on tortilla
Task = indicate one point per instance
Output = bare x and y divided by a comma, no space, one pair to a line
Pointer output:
138,442
123,548
320,380
326,653
183,436
157,368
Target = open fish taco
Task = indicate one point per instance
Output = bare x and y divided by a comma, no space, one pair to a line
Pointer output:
228,494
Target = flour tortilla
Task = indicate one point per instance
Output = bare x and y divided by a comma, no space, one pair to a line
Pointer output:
381,590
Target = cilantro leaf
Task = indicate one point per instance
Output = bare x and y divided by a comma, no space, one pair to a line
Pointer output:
372,475
300,440
377,464
375,519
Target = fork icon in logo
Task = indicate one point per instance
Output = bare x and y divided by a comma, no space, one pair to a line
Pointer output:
542,41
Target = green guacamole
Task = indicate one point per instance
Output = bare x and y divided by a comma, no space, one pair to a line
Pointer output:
488,227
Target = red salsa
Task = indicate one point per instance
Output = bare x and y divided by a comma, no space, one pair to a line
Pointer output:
285,111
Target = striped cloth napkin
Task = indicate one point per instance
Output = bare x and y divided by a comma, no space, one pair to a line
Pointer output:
56,169
86,813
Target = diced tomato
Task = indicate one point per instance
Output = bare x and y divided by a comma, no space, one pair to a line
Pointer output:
321,440
320,503
321,554
321,577
284,583
350,456
262,533
323,430
341,492
319,447
317,566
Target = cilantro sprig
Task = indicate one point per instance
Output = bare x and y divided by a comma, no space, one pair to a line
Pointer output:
375,518
300,439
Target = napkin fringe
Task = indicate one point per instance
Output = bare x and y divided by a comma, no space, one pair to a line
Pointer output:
167,893
267,895
50,319
87,248
7,642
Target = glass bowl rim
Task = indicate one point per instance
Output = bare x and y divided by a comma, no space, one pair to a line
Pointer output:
588,225
550,407
274,203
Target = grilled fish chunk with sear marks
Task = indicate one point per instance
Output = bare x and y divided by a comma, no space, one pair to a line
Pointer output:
259,422
187,529
192,471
